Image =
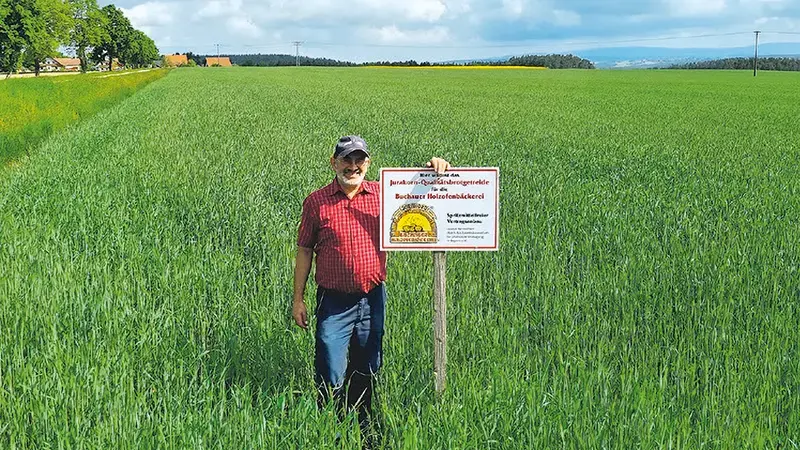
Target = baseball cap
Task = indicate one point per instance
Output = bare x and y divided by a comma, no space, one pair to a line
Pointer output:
349,144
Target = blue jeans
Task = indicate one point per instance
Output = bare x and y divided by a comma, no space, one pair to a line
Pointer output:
348,324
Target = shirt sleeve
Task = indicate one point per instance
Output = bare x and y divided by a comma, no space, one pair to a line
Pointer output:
309,225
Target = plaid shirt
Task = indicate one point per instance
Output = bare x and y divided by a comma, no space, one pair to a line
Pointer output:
345,235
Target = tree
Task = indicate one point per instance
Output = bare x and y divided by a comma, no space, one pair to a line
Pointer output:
198,59
88,30
43,25
12,41
139,51
116,36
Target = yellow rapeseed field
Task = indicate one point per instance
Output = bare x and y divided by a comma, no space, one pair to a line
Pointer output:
461,67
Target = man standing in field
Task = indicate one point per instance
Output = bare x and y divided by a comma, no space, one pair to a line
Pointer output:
341,224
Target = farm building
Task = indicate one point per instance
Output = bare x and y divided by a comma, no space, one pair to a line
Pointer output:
175,60
223,61
61,64
102,66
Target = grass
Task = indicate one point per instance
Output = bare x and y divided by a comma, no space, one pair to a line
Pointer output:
33,108
645,295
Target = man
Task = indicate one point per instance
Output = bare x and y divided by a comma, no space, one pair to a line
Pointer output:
341,224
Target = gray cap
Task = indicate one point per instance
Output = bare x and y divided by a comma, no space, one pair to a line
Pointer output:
349,144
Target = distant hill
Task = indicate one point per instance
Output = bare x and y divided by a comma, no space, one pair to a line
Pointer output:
649,57
645,57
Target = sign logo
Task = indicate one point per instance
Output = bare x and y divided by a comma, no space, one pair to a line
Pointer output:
413,223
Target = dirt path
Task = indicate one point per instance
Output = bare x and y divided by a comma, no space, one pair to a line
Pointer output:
124,73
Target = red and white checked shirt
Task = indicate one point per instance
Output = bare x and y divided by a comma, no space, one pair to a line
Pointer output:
345,235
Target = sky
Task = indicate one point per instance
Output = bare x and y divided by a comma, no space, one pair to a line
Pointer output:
439,30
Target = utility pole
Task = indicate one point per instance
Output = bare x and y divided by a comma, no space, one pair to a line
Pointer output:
755,58
297,45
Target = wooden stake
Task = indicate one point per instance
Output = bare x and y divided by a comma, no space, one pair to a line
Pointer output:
439,321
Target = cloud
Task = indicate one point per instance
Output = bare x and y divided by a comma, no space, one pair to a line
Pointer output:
694,8
394,35
448,29
425,10
243,27
514,8
151,14
218,8
566,18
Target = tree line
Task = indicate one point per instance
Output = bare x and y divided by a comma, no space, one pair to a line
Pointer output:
33,30
273,60
769,63
553,61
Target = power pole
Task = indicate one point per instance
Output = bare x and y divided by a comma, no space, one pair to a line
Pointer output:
297,45
755,58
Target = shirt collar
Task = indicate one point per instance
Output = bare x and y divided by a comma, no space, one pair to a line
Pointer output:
334,187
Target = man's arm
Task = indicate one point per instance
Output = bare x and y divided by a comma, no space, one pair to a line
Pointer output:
302,268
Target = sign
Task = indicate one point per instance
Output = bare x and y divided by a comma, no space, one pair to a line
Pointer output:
456,210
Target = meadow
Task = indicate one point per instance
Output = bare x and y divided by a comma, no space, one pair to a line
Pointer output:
33,108
645,294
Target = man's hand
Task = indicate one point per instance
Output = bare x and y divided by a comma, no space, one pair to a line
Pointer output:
301,269
438,164
300,314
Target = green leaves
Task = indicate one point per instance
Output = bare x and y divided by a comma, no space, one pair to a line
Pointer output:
140,51
89,29
32,30
46,26
116,37
12,36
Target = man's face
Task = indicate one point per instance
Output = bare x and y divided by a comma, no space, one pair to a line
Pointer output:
351,169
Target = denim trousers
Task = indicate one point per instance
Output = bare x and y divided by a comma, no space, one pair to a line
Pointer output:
349,342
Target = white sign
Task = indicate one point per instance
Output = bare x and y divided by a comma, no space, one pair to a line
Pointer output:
456,210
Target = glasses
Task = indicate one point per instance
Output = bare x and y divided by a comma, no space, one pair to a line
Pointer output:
348,160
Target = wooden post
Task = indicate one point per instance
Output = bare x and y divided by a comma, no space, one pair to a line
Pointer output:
439,320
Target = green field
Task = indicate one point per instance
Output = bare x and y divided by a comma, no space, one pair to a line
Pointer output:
645,295
33,108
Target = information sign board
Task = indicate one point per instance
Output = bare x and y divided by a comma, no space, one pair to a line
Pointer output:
455,210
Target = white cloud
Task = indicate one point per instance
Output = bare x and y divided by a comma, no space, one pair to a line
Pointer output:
394,35
514,8
147,15
218,8
537,12
458,7
444,29
243,27
425,10
566,18
695,8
